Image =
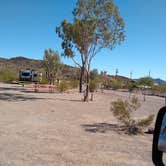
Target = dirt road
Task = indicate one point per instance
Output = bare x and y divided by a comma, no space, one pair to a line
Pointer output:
42,129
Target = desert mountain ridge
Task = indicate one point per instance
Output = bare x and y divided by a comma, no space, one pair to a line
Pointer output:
20,62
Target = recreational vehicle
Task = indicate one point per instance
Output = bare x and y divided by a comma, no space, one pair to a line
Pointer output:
29,75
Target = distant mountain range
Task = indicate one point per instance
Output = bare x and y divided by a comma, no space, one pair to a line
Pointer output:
159,81
17,63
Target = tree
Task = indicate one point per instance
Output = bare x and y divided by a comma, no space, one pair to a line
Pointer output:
94,74
51,64
97,25
145,81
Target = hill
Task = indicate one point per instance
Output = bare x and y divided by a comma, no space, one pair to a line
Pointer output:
159,81
17,63
13,65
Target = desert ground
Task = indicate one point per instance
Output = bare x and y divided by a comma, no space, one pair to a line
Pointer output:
58,129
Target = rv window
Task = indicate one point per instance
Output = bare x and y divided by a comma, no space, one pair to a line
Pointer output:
35,75
25,74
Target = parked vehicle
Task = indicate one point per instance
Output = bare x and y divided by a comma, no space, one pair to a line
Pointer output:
159,139
29,75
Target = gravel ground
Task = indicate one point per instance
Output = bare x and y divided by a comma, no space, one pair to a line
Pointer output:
42,129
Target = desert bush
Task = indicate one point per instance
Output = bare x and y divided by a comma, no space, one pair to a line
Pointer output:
146,121
63,86
116,84
8,76
112,84
92,86
122,111
74,84
159,89
130,86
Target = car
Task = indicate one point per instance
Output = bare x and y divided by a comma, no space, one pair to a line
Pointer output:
159,139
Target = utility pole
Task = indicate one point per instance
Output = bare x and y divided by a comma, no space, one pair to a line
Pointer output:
130,88
149,73
116,73
131,73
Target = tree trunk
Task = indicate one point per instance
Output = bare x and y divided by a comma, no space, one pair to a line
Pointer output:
81,79
87,87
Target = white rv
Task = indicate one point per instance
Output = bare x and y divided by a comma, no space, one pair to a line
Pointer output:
29,75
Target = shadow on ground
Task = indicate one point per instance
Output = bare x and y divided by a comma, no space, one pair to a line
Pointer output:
105,127
74,100
11,88
102,128
17,97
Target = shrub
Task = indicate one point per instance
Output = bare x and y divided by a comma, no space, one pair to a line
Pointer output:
116,84
122,111
146,121
8,76
63,86
74,84
92,86
112,84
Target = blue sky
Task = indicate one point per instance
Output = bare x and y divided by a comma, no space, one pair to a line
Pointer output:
27,28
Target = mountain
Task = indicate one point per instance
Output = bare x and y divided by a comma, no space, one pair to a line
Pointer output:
159,81
17,63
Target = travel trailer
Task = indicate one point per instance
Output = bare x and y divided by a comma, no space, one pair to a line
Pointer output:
29,75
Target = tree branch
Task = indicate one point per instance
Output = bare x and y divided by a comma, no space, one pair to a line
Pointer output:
76,62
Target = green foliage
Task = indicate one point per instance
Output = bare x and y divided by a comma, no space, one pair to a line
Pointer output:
146,81
92,86
102,21
116,84
130,85
146,121
122,111
51,64
94,74
44,81
8,76
97,24
73,84
63,86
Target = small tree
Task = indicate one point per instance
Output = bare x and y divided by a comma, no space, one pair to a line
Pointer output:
122,111
145,81
94,74
97,25
52,65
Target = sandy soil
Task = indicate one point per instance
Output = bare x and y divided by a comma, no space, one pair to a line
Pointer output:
42,129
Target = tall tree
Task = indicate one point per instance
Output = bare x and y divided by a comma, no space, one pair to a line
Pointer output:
97,24
51,64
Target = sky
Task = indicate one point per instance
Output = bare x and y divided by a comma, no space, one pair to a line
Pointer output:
27,28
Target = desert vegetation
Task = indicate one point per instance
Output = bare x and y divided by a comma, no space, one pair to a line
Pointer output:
78,115
89,33
122,110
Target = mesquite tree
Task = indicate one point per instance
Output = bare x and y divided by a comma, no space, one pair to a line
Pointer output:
97,24
51,64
